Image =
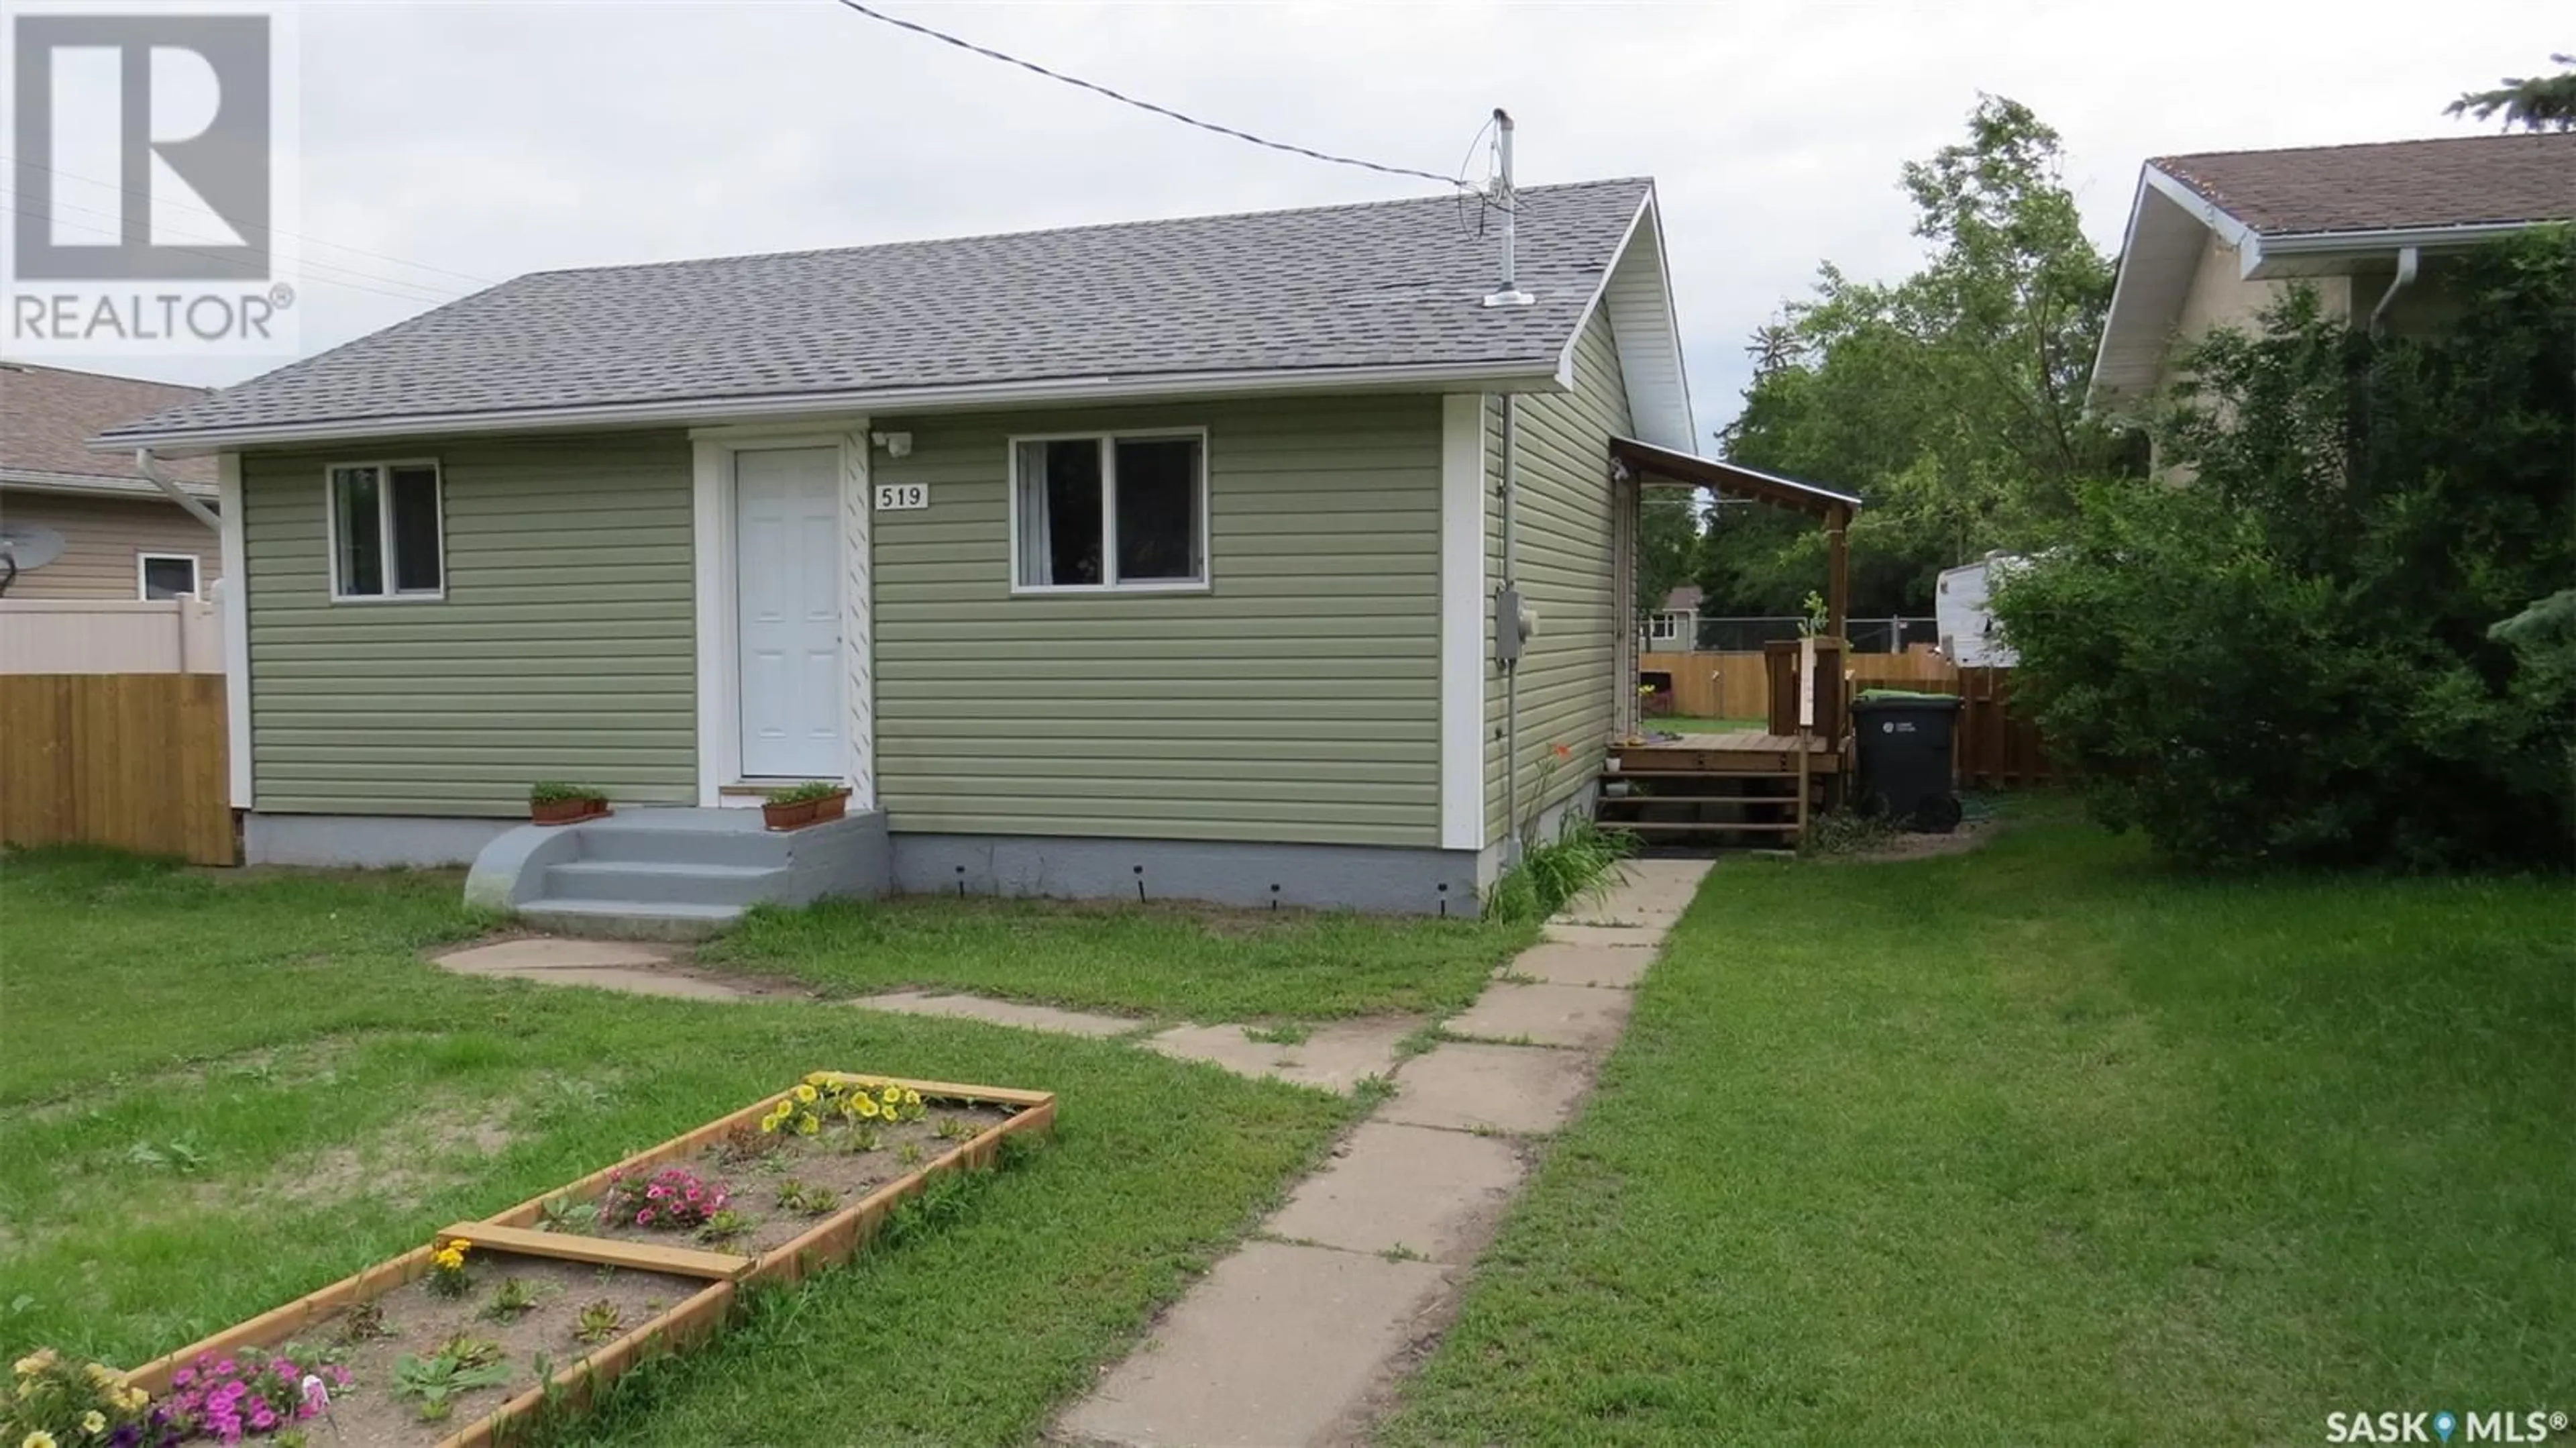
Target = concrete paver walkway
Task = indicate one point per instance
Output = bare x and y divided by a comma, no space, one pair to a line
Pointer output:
1335,1057
1293,1341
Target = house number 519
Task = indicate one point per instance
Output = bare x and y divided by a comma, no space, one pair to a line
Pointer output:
895,497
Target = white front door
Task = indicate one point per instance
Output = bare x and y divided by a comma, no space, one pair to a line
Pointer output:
787,532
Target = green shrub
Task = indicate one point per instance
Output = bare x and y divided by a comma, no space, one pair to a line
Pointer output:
2289,652
800,793
555,791
1547,877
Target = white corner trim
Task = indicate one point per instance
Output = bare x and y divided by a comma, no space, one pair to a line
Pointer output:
711,502
234,589
1462,621
858,615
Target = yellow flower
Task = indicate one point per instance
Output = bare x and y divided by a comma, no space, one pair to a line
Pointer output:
93,1422
769,1126
911,1098
807,1126
817,1078
867,1106
458,1244
893,1096
38,1439
806,1093
35,1362
98,1373
132,1400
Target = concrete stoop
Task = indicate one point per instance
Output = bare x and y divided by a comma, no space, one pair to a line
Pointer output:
674,874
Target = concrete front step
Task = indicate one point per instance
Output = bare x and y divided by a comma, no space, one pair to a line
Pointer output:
657,882
688,837
630,919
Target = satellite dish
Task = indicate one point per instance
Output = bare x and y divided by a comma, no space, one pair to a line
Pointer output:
26,546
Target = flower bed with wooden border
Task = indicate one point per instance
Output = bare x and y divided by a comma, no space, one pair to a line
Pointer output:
581,1268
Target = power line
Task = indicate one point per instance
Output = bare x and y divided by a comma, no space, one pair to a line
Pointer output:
222,260
1164,111
304,265
273,231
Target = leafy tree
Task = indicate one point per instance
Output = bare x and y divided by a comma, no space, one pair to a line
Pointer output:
2293,652
2534,102
1668,534
1952,401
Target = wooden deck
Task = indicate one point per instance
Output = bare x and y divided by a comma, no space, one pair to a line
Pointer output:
1736,788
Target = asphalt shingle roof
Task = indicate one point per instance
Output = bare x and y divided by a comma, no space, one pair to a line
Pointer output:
48,415
1383,284
2457,181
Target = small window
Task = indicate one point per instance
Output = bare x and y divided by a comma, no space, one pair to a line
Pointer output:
1110,512
167,575
385,531
1671,627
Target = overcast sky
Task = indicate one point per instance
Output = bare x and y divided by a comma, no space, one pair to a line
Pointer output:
485,140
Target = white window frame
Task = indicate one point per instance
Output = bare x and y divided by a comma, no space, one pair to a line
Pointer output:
1108,441
385,527
142,573
1681,628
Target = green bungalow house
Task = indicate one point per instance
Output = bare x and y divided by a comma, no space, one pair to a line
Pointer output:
1160,558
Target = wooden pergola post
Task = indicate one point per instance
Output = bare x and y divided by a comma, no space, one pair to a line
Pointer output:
1837,570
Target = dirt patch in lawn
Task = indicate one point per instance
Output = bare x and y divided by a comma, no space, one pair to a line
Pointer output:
1970,835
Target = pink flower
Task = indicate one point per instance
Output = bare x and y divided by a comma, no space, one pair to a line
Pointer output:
644,1219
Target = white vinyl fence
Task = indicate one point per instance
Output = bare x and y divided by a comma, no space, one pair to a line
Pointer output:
110,636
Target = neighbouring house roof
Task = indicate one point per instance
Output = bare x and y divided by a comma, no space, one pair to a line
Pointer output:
2315,211
1684,599
48,415
1388,294
1733,480
2456,181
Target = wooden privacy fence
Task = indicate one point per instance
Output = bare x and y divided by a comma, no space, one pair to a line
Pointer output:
1994,748
136,761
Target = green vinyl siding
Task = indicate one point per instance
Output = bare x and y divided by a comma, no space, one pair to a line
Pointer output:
564,648
1297,699
1563,532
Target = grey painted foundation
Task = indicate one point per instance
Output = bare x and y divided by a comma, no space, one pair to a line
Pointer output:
367,841
1376,879
513,859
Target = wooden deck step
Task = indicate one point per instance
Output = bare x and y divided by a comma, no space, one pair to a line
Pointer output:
1778,799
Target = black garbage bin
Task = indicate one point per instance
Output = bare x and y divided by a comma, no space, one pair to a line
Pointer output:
1904,744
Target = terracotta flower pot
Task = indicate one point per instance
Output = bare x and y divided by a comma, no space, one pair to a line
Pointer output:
565,811
803,812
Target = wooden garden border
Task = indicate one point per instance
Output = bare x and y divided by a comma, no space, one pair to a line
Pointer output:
833,1239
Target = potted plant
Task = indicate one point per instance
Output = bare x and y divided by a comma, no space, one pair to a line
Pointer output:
799,805
552,802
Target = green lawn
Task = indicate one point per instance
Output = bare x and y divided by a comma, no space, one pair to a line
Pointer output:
1174,962
1692,724
2047,1145
218,1092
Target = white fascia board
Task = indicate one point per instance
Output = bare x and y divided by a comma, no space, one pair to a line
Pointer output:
2381,243
234,589
2119,288
98,484
1670,409
2247,242
1509,376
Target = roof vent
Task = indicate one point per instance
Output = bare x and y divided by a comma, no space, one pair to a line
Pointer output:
1510,293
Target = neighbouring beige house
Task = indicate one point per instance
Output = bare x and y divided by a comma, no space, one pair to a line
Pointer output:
80,524
2215,238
